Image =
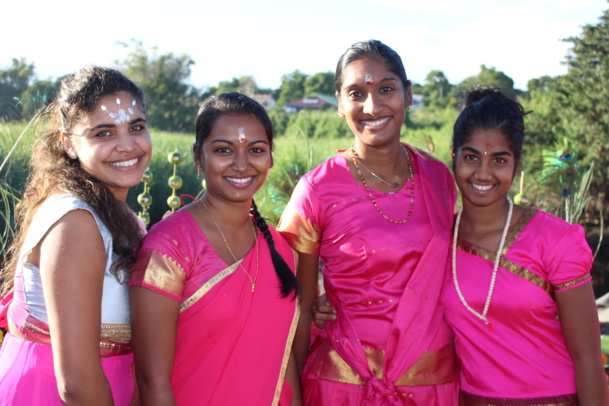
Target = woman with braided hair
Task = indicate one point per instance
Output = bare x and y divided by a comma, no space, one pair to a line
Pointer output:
213,289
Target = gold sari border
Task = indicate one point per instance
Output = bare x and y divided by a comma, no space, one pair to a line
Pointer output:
508,265
209,285
582,279
162,272
467,399
435,367
286,354
300,233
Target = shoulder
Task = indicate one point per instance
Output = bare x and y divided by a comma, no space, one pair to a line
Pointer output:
176,228
326,172
423,155
552,226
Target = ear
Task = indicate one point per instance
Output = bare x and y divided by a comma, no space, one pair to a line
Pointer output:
68,146
341,114
408,94
197,158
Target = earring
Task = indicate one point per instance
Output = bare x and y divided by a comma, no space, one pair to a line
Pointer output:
72,154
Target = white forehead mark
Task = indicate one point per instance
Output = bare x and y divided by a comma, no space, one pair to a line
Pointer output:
121,115
242,138
368,79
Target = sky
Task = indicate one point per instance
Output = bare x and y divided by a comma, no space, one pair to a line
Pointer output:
269,38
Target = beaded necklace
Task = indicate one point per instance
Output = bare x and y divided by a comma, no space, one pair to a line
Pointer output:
252,280
481,316
355,157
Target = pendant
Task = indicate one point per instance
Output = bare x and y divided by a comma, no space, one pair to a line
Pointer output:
253,287
490,326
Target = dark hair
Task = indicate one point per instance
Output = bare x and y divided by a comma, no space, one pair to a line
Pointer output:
490,108
233,103
53,171
364,49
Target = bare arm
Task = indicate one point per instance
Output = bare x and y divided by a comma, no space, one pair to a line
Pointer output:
72,261
154,320
293,379
308,266
580,327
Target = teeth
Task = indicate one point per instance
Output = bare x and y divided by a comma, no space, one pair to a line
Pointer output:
125,163
482,187
375,122
239,180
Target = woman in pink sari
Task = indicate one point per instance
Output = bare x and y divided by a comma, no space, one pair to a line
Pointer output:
518,292
378,216
69,339
213,289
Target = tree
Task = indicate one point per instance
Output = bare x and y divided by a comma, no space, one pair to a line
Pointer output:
292,87
489,77
436,89
171,101
13,82
319,83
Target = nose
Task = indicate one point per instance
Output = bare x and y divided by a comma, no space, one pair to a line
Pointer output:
125,143
241,162
484,171
372,104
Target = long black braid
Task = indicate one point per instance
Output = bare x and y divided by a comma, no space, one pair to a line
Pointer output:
289,283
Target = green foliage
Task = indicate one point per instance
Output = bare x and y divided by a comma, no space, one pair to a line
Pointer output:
245,84
172,103
436,90
13,82
292,87
319,83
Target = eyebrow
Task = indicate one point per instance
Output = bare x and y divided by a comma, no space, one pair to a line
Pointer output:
387,79
107,125
230,142
475,151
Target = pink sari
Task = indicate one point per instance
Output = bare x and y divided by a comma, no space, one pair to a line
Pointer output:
232,345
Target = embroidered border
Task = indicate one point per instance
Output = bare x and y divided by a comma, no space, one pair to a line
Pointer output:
505,263
209,285
286,354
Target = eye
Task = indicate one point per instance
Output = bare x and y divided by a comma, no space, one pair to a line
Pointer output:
501,161
103,134
137,128
386,89
355,94
257,150
470,157
222,150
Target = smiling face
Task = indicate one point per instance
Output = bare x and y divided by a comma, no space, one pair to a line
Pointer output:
484,168
372,100
235,158
112,143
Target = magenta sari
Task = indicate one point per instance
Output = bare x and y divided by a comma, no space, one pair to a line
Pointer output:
232,345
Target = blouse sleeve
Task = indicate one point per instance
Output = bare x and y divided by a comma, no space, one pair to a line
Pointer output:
299,223
570,259
159,264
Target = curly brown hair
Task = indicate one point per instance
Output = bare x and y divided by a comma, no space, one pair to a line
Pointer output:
52,172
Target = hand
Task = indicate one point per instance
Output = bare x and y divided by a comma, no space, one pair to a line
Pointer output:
322,311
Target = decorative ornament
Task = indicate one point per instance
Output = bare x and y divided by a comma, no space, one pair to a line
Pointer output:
520,198
368,79
175,182
481,316
144,199
355,157
242,139
121,115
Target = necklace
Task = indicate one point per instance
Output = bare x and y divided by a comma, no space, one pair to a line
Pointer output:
481,316
252,281
374,174
355,157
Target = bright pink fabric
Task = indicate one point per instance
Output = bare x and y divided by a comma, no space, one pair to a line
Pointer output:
524,356
231,343
383,279
27,377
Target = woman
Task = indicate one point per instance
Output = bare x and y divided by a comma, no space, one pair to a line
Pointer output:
68,314
213,294
518,293
378,215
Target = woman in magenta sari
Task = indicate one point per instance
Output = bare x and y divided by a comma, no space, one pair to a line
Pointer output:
378,216
213,289
518,292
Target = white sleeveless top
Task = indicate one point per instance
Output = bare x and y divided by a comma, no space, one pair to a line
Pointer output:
115,312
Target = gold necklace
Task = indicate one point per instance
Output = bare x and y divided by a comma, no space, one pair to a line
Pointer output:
355,157
252,281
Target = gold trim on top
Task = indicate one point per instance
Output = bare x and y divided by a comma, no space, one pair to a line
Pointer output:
301,233
573,282
117,333
508,265
286,354
467,399
199,293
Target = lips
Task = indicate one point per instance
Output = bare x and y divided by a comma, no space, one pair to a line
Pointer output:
124,164
240,181
482,188
376,122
